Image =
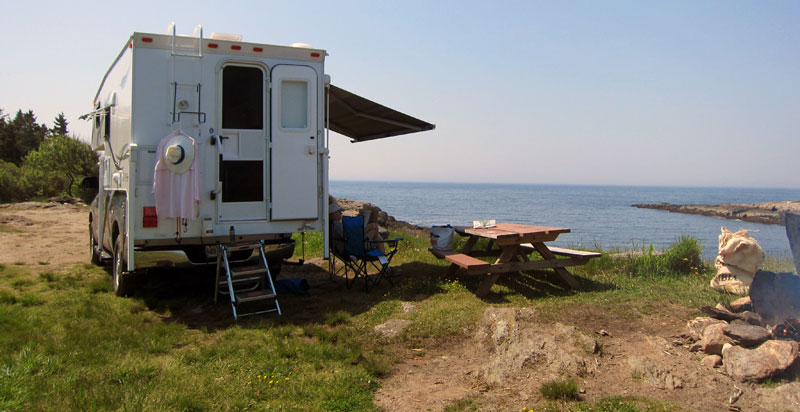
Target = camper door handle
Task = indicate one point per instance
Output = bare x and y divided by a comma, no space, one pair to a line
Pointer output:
221,138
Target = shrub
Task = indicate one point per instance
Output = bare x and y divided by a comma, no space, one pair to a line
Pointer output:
682,258
59,163
13,186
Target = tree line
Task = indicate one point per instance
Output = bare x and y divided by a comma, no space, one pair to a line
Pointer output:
37,161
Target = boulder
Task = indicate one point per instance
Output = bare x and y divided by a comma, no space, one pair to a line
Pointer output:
720,313
516,341
696,326
741,304
408,307
776,296
745,334
751,318
714,339
392,327
763,362
712,361
653,373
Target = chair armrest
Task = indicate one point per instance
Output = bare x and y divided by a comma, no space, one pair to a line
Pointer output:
385,241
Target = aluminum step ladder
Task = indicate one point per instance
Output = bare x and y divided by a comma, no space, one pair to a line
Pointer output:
245,284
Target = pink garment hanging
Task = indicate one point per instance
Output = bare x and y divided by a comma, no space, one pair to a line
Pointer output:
177,195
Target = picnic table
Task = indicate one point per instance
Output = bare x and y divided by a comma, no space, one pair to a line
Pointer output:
512,245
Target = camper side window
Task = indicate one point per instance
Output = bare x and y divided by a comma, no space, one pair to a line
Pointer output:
294,104
101,129
107,122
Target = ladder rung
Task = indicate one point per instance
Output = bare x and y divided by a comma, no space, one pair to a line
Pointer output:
254,296
241,315
237,281
247,270
251,246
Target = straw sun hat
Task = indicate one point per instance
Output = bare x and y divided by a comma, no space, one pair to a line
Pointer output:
179,153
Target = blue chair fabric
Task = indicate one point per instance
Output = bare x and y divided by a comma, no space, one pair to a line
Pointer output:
361,256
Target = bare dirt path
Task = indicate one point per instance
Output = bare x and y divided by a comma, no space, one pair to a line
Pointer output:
643,356
46,236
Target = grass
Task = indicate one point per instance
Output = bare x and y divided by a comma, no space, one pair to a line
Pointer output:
69,341
564,390
9,229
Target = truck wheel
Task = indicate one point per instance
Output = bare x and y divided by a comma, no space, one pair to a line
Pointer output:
93,250
123,282
274,268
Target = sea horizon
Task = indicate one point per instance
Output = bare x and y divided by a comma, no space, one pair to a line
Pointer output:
620,185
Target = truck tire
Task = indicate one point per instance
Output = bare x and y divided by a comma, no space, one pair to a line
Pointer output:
123,282
94,252
274,268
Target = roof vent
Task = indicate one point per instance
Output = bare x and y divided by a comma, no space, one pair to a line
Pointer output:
226,36
301,45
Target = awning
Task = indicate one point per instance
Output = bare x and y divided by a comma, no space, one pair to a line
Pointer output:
361,119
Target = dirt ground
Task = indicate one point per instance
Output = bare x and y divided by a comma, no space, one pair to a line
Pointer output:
49,237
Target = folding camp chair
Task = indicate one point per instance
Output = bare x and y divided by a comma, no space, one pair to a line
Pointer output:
360,255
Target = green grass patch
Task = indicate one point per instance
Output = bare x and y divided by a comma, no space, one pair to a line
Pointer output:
562,390
463,405
9,229
624,404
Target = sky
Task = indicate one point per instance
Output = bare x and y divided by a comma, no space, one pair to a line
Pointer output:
678,93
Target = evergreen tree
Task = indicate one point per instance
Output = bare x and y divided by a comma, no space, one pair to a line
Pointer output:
59,126
20,136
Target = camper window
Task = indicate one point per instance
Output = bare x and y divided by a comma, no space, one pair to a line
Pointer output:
242,98
294,105
107,122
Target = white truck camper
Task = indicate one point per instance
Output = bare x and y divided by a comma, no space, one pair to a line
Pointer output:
214,150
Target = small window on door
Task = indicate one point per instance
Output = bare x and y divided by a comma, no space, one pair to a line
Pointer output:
242,98
294,104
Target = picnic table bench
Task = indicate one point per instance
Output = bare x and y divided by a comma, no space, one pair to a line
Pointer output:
512,244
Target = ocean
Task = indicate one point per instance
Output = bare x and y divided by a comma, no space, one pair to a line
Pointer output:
598,216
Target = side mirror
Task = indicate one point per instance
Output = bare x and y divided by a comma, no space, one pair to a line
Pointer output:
90,182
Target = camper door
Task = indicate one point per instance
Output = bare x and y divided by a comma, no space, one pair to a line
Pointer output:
242,138
293,159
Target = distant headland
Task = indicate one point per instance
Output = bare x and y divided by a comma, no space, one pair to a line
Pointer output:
767,212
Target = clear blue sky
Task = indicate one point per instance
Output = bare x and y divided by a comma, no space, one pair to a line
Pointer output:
587,92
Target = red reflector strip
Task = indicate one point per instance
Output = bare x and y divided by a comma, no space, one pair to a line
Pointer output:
147,39
212,45
258,49
236,47
149,217
315,54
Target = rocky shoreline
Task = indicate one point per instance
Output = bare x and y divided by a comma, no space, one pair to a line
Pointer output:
768,212
384,220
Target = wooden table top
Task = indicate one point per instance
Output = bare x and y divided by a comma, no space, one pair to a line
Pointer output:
508,231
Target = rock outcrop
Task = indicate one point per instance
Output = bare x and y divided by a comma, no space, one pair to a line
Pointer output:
767,212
